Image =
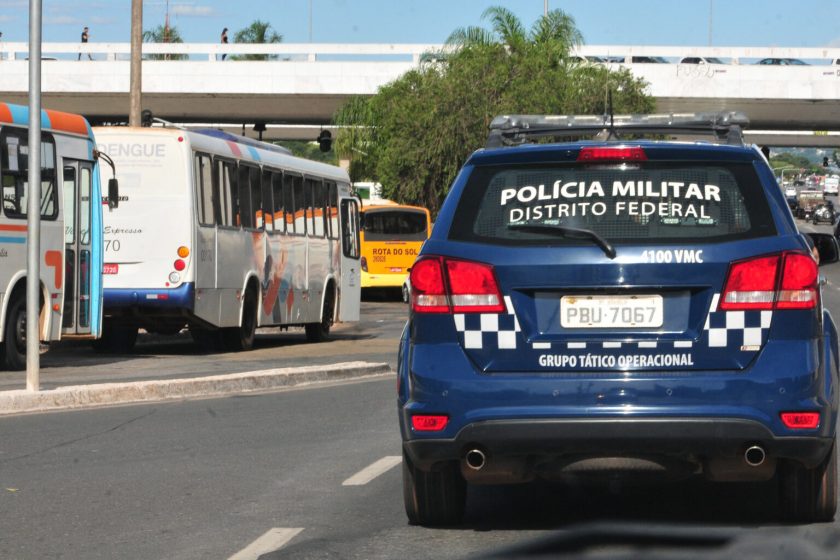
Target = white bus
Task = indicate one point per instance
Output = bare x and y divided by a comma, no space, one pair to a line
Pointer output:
71,231
223,234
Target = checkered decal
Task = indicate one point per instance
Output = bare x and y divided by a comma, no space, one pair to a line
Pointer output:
741,329
738,328
489,330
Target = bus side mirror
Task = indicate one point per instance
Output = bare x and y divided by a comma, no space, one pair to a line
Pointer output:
113,193
827,247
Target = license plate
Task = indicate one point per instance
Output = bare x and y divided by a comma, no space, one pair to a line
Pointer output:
598,312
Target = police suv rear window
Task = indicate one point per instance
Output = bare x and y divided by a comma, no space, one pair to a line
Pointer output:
651,202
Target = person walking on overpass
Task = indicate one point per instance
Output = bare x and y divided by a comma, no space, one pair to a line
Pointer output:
224,40
85,37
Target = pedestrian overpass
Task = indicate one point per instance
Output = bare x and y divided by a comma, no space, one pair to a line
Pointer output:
297,92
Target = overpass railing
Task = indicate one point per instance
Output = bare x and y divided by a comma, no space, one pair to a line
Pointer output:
371,52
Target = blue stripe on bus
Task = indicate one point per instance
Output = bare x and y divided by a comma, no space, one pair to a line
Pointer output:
180,297
19,240
20,116
254,153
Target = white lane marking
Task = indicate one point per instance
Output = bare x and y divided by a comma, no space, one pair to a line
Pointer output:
367,474
273,539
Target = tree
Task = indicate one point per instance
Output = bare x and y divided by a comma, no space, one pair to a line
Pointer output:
259,32
416,132
163,34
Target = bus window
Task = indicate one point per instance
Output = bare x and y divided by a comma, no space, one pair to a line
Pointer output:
267,203
289,201
14,160
246,217
299,209
69,188
350,229
256,198
316,209
204,189
332,210
228,207
279,200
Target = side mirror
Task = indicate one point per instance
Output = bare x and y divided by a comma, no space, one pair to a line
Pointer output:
113,193
827,246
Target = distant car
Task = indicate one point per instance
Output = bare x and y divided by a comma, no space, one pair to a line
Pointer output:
790,192
831,185
824,213
782,62
701,60
648,60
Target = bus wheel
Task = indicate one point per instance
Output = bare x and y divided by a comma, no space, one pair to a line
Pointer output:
319,332
116,339
14,357
242,337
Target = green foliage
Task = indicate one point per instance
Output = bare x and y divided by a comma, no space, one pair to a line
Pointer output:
309,150
794,161
259,32
163,34
416,132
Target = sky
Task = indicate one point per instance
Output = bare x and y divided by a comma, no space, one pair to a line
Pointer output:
782,23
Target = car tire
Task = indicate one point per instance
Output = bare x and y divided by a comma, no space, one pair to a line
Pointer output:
14,346
809,495
320,332
238,339
116,339
434,498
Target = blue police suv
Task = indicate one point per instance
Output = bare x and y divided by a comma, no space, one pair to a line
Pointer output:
613,305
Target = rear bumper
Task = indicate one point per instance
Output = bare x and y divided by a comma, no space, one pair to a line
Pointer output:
383,280
182,297
703,438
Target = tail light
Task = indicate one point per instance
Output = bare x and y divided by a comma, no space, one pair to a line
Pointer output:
801,420
429,422
441,285
611,153
783,281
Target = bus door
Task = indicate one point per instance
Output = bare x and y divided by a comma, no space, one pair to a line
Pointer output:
78,251
351,274
205,259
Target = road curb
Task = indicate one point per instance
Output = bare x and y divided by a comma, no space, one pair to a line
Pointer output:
108,394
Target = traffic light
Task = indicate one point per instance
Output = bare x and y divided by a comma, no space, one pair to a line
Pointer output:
325,141
825,162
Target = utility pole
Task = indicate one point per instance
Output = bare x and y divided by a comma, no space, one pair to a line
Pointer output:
545,8
136,86
33,208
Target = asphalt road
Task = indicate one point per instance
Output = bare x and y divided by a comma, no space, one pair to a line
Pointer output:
314,473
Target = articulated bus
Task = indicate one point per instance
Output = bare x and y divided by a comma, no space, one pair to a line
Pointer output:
223,234
391,238
71,231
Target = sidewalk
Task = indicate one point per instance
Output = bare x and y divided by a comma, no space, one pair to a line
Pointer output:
109,394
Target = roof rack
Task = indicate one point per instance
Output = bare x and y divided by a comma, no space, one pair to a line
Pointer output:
510,130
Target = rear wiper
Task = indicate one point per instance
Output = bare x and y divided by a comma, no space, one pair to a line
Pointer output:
566,231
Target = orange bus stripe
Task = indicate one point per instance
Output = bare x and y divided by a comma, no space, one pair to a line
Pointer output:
5,113
12,228
67,122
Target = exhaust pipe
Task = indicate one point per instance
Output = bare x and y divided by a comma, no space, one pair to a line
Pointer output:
754,456
475,459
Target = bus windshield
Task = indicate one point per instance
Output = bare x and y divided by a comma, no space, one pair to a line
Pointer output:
399,224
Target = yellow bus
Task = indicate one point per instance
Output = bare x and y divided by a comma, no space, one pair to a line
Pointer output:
391,236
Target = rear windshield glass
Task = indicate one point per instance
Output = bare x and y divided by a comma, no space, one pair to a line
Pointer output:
632,203
392,225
